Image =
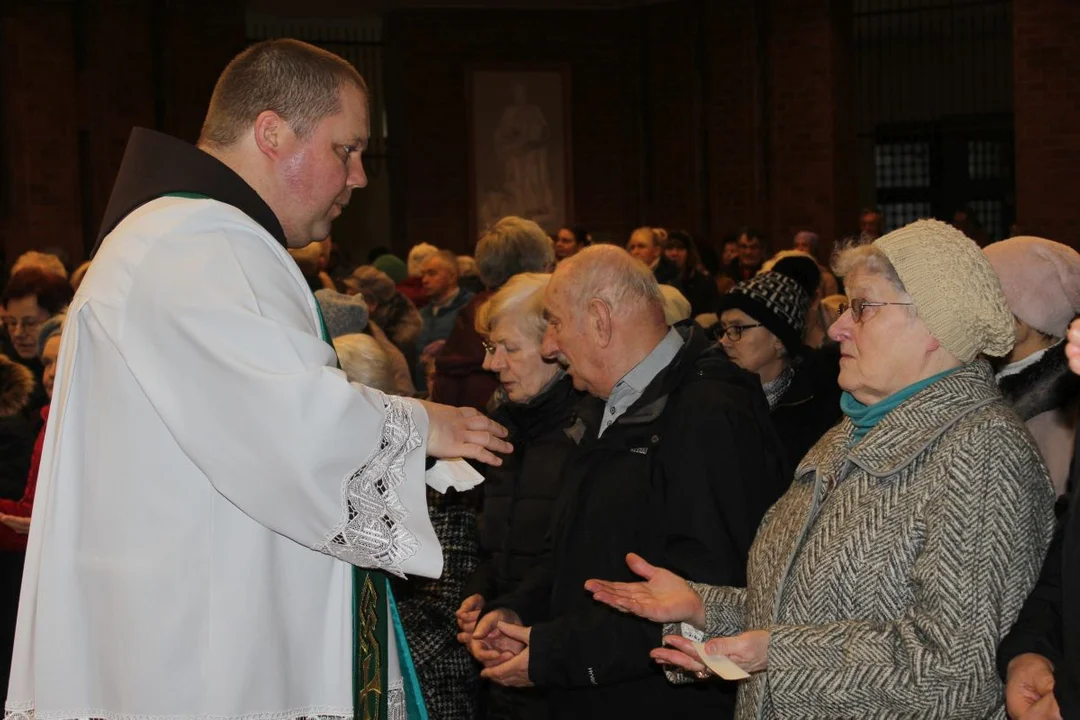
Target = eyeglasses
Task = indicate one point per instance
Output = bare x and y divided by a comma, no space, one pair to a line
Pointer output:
28,325
857,305
734,332
489,347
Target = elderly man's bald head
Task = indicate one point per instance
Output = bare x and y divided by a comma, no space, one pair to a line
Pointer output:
610,274
605,314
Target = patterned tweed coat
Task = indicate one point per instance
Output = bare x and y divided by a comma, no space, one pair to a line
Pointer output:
890,570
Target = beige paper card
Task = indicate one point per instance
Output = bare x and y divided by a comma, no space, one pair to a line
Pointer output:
722,665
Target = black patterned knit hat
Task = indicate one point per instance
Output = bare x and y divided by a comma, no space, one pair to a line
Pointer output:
777,301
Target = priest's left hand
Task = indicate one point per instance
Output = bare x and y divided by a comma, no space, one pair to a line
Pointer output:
20,525
465,433
515,671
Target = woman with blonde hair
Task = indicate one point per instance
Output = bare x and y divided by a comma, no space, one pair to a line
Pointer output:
535,402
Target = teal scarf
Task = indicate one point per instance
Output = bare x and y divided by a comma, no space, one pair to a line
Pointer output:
865,417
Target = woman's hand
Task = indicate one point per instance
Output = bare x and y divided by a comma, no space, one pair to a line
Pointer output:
20,525
748,650
663,597
680,653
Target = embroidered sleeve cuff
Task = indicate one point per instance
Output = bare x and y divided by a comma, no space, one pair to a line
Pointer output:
373,532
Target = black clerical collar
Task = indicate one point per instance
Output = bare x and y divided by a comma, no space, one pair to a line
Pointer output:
156,164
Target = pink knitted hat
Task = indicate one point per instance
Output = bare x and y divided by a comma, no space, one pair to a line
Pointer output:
1041,280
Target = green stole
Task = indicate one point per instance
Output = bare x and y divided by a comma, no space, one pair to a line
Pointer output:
370,631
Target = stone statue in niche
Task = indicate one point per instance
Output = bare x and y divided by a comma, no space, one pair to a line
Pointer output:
522,146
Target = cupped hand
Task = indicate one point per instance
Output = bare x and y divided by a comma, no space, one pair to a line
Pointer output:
663,597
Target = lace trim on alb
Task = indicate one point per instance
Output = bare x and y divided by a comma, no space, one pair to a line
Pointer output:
372,532
395,701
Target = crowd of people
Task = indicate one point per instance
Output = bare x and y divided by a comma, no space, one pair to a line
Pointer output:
850,476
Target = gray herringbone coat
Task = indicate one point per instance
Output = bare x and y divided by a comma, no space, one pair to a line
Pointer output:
890,570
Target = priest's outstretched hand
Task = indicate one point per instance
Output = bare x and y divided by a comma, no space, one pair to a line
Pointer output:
463,432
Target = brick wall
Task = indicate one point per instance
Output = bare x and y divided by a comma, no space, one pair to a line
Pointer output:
1047,117
76,79
37,59
811,146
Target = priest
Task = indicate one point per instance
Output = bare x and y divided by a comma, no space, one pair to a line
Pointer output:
217,506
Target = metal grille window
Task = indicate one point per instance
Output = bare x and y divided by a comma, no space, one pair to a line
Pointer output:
900,214
986,160
991,215
900,165
933,87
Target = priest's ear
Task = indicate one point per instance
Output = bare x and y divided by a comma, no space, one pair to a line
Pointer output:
272,134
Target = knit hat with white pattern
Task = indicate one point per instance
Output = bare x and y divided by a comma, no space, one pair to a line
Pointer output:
776,300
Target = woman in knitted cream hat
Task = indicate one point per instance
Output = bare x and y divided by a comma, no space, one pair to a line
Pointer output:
1041,280
881,582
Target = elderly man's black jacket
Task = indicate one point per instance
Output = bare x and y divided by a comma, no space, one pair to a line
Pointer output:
682,478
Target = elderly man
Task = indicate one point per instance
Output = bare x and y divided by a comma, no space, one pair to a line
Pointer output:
209,477
676,459
807,241
439,275
647,245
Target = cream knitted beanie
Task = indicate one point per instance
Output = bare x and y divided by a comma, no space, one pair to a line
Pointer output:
956,292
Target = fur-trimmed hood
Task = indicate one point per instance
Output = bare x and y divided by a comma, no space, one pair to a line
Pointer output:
1046,385
17,385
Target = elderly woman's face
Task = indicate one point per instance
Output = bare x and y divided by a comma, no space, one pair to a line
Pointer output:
887,349
756,350
522,370
643,247
23,318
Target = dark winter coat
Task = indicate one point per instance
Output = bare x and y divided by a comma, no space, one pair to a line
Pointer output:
1049,622
519,495
519,500
683,478
811,404
20,408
